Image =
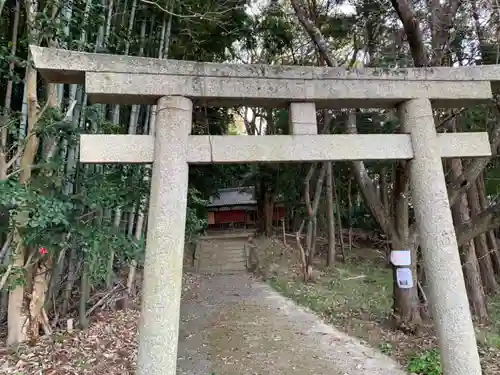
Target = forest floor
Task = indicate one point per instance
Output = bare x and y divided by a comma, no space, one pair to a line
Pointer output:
238,325
356,297
230,324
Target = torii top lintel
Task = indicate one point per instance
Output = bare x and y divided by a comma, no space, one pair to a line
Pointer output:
137,80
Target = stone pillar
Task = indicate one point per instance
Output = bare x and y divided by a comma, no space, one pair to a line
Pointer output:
302,118
159,322
447,294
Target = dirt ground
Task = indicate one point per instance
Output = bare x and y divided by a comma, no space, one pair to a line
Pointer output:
230,325
356,297
236,324
243,327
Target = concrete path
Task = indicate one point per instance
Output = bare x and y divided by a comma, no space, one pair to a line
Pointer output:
234,325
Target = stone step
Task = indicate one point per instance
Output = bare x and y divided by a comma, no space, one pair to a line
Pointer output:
228,265
223,258
223,251
223,263
222,255
221,269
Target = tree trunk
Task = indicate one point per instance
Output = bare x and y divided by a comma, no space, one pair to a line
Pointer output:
4,294
406,304
36,307
384,190
490,235
481,245
8,96
17,314
41,281
70,281
339,220
269,199
475,290
17,317
84,296
330,259
261,205
110,271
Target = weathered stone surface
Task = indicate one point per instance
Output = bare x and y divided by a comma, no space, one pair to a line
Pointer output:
126,88
161,291
473,144
307,148
302,118
223,253
443,268
116,148
279,148
134,80
295,148
69,66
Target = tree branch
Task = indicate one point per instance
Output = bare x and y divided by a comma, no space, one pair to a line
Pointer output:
364,181
486,220
412,29
313,32
369,191
461,184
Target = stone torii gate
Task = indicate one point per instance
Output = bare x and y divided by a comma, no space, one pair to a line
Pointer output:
173,86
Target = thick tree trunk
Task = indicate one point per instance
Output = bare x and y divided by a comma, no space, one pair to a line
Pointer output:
17,314
41,281
38,316
406,304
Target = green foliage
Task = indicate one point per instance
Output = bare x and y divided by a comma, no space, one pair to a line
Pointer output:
196,213
276,31
95,243
208,30
17,276
426,363
386,348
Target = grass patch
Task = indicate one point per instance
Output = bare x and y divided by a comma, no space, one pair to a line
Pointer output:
426,363
346,292
357,298
494,310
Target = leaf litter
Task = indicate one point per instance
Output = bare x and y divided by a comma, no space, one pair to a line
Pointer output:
108,346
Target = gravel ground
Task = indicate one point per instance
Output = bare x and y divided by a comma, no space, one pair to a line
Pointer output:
230,325
233,324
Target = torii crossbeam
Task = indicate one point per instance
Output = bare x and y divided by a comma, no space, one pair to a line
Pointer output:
174,85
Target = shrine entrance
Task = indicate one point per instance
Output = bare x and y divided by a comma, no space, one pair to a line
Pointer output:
172,86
